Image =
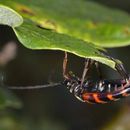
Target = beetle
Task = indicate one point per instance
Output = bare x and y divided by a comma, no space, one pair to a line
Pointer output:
102,91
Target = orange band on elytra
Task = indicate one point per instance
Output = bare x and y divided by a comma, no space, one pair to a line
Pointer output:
95,96
86,98
110,97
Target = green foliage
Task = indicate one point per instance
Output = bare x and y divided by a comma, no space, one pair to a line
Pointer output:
82,19
34,37
43,39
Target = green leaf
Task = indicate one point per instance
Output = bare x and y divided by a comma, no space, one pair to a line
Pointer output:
39,38
82,19
9,17
35,37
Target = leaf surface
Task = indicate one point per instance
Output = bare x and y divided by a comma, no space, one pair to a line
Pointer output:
82,19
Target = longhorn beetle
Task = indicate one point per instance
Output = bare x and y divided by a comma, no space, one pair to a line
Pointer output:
103,91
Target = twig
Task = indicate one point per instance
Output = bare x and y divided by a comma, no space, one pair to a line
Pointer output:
34,87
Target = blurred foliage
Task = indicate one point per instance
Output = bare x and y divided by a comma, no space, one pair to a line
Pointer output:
8,122
7,99
121,122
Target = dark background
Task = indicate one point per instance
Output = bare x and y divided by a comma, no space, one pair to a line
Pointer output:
54,108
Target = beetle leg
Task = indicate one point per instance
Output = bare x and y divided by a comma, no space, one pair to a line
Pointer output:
65,75
88,64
